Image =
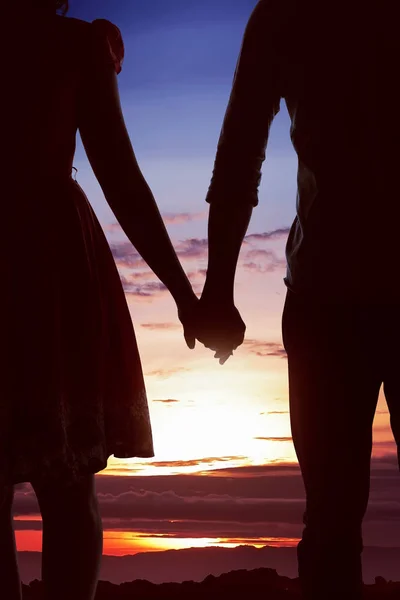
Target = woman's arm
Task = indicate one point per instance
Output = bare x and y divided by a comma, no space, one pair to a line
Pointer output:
108,147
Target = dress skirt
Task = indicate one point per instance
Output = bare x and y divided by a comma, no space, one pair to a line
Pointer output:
72,389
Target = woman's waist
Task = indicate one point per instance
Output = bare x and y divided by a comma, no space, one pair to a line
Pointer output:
26,176
34,199
34,187
22,169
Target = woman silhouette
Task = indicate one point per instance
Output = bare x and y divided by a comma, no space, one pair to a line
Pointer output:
72,385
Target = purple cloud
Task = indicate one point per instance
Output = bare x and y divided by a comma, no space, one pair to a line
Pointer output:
170,218
263,261
199,274
125,255
193,248
276,234
147,290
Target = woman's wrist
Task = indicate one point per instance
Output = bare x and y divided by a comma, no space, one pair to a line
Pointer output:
183,293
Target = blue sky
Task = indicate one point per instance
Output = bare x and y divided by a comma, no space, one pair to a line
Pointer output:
175,85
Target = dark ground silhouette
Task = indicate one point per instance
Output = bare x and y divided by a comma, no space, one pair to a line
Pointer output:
263,583
196,563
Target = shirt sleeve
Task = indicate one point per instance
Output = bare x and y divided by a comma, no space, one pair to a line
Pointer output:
108,45
253,104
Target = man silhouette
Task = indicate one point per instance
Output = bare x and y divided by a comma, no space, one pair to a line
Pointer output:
335,65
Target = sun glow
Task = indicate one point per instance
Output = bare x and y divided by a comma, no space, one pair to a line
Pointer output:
213,428
121,543
28,540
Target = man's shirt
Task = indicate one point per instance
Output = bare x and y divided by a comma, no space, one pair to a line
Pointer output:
336,65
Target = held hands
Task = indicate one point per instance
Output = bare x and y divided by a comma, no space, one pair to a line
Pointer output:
216,324
219,327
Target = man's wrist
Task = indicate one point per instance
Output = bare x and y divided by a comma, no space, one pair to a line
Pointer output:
217,293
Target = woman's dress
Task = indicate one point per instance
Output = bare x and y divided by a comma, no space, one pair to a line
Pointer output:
73,392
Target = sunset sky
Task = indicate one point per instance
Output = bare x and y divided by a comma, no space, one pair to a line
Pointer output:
224,470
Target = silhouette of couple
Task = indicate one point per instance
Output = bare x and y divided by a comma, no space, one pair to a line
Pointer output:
72,384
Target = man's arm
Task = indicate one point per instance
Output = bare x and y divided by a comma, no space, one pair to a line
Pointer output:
253,104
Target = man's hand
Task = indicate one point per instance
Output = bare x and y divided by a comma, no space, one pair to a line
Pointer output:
219,327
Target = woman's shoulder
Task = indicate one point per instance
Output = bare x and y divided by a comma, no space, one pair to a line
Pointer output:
79,25
101,34
73,24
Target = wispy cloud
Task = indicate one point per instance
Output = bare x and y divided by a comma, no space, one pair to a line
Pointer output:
179,218
168,401
221,507
258,260
274,439
192,249
260,348
125,255
199,274
263,261
112,227
137,276
169,218
195,462
160,326
275,234
147,290
165,373
131,283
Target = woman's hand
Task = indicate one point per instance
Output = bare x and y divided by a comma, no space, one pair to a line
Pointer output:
187,313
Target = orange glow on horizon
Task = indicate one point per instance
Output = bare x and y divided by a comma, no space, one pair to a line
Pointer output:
119,543
28,540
